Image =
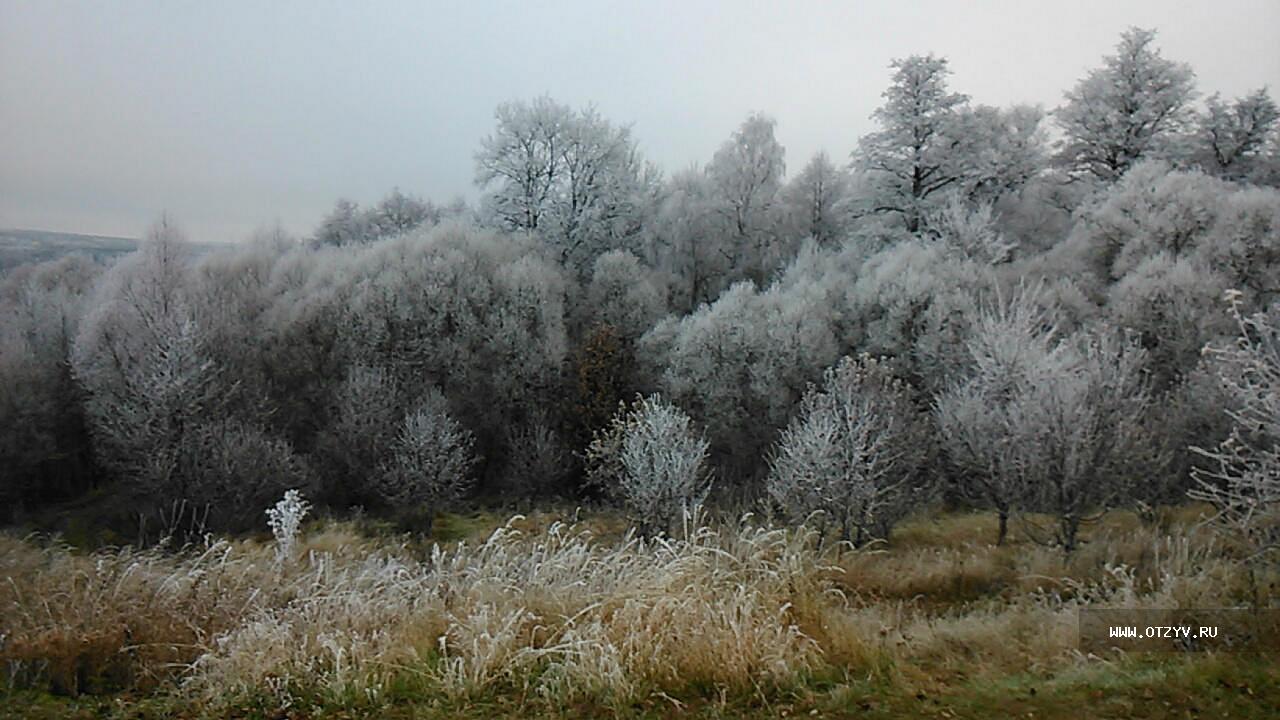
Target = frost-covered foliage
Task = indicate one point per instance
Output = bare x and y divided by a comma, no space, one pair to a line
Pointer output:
429,461
44,447
1232,137
1243,477
653,461
741,364
285,521
1132,108
853,452
624,294
1047,423
970,230
914,302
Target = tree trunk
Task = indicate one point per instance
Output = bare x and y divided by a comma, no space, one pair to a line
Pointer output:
1070,530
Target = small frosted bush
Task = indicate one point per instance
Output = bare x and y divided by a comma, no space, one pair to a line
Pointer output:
652,461
285,520
431,459
850,452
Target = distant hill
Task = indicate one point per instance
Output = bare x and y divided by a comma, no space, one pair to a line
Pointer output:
27,246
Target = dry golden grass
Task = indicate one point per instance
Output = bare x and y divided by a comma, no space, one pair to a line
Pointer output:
550,614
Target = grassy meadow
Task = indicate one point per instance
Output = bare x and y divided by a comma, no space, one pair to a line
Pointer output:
568,615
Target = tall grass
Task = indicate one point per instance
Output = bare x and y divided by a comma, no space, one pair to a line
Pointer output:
552,615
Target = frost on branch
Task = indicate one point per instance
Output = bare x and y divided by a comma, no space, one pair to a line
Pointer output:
1243,481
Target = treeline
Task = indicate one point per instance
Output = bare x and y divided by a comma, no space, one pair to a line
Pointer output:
965,310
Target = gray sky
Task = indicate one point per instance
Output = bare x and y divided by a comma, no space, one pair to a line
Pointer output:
234,115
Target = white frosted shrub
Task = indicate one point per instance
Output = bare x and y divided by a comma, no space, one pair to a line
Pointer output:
652,460
431,459
850,452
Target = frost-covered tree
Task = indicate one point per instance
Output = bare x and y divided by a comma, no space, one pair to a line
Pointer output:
1227,228
817,202
1173,307
1084,435
914,302
1243,243
430,460
571,176
1012,347
478,314
1129,109
344,225
1000,150
398,213
652,460
745,177
230,292
1233,137
1243,477
741,364
688,243
538,459
1043,423
1151,210
853,452
912,157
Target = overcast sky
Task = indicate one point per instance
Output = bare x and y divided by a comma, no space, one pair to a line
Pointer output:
235,115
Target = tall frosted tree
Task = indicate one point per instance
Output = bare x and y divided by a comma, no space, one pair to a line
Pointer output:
745,176
1132,107
817,201
913,155
570,176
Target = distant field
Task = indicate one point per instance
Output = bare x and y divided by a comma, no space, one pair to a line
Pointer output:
18,247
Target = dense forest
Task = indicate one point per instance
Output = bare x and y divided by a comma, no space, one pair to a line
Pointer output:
996,307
